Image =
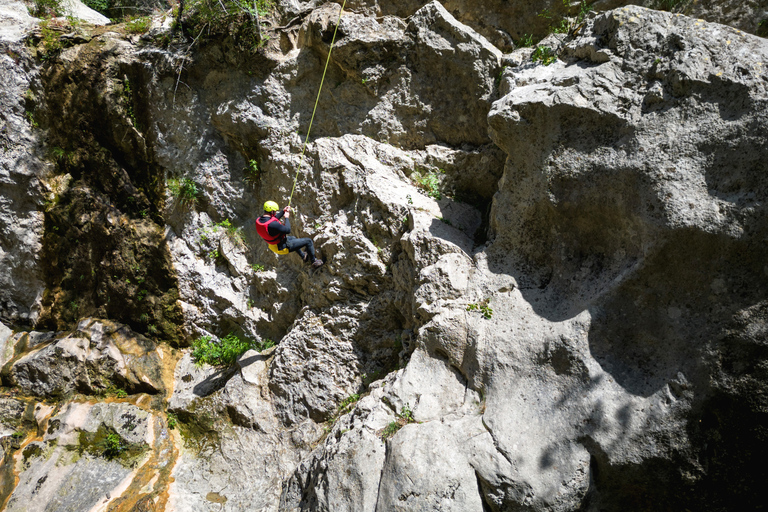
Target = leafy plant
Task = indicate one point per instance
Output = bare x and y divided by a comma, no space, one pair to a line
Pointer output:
428,182
113,446
544,54
482,307
501,74
115,392
214,254
139,25
47,8
762,28
31,118
97,5
257,267
238,19
184,190
172,420
343,408
224,352
525,41
252,172
404,417
263,345
233,232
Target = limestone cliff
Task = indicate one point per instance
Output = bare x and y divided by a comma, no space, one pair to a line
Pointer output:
545,271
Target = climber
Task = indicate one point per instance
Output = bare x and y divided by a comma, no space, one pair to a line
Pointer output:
274,230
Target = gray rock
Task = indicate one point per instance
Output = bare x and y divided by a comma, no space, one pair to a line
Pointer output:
79,10
21,167
70,469
98,355
15,21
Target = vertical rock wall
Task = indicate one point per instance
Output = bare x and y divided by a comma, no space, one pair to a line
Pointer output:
544,284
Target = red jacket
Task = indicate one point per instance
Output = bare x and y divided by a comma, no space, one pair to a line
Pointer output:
262,228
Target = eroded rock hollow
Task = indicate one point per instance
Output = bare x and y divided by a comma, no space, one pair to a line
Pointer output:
546,273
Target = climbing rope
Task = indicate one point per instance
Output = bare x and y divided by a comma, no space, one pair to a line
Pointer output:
317,100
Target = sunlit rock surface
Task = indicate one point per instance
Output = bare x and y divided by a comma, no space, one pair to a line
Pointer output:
544,285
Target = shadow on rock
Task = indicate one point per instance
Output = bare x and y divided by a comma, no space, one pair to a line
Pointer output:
658,322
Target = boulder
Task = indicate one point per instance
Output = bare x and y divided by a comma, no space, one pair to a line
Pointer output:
100,354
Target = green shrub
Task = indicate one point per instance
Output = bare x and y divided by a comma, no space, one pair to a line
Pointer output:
138,25
172,420
184,190
252,172
114,391
482,307
403,418
429,182
525,41
113,446
47,8
50,38
544,54
97,5
237,19
225,351
257,267
233,232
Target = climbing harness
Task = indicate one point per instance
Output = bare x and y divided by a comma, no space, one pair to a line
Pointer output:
317,100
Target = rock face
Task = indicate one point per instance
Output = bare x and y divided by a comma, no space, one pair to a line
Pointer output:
544,285
21,166
101,354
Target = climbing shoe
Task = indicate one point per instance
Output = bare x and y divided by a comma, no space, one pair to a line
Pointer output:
317,263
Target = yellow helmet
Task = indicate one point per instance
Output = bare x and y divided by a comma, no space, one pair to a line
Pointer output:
271,206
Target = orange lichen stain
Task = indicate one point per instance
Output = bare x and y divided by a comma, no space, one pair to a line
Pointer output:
170,358
10,463
148,489
216,497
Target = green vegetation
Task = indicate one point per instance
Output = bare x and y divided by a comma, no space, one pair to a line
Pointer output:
428,182
257,267
31,118
344,407
525,41
238,19
113,391
128,98
113,446
97,5
568,24
233,232
482,307
172,420
544,54
49,30
404,417
252,172
225,351
47,8
184,190
762,28
138,25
